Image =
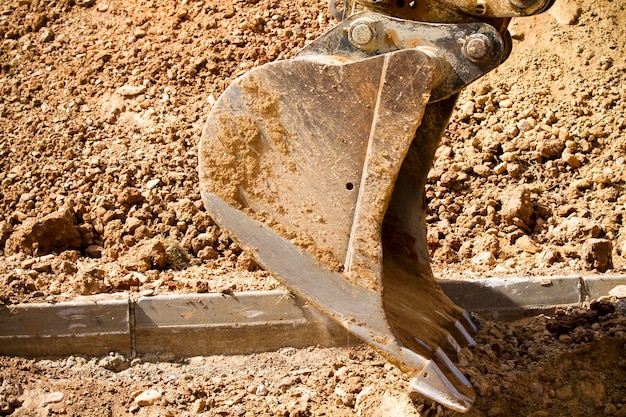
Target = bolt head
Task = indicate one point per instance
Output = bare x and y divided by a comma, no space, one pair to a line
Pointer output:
477,47
361,33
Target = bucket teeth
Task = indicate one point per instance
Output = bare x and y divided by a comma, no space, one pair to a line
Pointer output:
468,338
455,345
441,355
433,383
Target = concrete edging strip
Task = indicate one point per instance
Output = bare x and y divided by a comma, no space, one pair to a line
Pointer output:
242,323
90,327
238,323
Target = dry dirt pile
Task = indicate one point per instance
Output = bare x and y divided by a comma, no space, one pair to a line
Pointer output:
102,104
531,172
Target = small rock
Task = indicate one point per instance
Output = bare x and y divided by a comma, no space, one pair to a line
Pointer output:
345,398
509,156
153,183
516,204
5,232
565,393
125,282
574,228
202,241
46,35
536,388
208,253
524,125
202,286
482,385
27,263
500,168
130,196
466,110
227,288
131,224
65,266
566,339
547,283
115,362
94,251
185,210
448,179
39,22
42,267
582,184
56,232
618,291
527,244
495,412
131,90
54,397
598,254
482,170
551,148
507,103
246,263
570,159
147,398
205,224
566,12
549,257
514,169
199,406
484,258
262,390
146,255
143,232
90,281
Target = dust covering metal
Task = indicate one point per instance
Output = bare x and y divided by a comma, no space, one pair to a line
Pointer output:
317,166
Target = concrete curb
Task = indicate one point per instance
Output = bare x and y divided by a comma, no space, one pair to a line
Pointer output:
183,325
513,298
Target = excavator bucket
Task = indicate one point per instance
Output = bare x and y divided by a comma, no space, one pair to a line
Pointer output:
317,165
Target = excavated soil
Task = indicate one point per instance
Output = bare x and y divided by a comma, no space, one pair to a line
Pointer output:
102,104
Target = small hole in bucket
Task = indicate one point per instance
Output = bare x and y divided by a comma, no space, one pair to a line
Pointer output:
349,186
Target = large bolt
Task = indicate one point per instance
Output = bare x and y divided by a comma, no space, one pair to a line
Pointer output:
361,34
477,47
